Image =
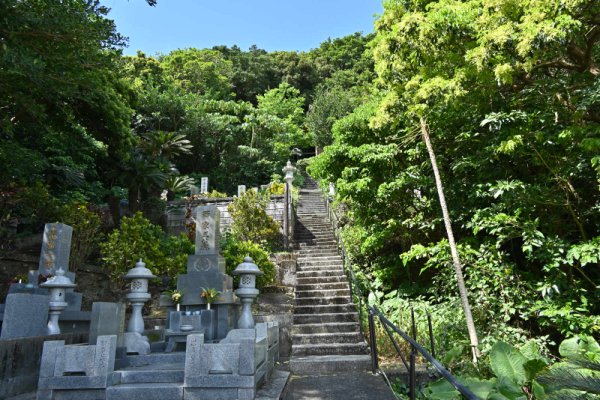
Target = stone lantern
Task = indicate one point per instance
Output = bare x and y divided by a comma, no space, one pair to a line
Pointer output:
288,170
247,291
137,296
58,286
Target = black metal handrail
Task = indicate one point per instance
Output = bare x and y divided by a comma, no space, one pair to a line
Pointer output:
389,326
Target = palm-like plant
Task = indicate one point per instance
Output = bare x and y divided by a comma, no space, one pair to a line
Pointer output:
137,173
177,184
165,145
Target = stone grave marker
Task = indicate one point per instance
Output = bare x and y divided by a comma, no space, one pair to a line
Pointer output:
107,319
241,190
194,190
25,315
56,249
206,269
204,185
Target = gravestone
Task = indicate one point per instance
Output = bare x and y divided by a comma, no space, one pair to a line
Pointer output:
241,190
206,270
25,315
194,190
204,185
107,319
56,249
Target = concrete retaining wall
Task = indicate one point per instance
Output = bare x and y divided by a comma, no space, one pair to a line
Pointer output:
20,362
176,211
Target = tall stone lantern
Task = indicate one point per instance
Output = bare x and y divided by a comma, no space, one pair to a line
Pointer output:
289,170
137,296
247,291
58,286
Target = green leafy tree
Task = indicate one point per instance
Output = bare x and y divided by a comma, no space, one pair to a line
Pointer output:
251,222
204,72
137,238
62,102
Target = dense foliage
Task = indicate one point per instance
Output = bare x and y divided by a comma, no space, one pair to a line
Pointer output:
509,91
252,223
82,122
137,238
235,250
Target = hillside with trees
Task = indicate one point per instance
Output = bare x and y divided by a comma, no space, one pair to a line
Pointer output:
506,92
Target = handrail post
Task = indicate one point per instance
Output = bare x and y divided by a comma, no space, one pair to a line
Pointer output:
431,339
413,356
373,342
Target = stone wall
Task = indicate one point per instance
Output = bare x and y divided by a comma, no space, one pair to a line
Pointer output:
20,362
176,211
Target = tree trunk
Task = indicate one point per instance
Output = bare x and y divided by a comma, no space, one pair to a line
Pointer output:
453,250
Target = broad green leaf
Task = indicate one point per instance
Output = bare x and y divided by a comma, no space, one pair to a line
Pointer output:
481,388
452,355
507,389
530,350
538,390
442,390
508,363
580,346
533,368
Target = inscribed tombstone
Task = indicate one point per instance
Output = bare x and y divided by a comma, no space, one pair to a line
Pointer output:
207,229
204,185
56,248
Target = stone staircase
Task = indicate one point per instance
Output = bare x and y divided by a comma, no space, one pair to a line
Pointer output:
326,336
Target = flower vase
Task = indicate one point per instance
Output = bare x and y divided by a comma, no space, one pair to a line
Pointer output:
208,306
178,307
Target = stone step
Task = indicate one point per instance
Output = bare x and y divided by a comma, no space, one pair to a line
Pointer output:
320,263
325,318
328,349
321,279
320,272
308,252
323,286
317,246
322,301
328,267
313,242
322,293
338,327
146,391
305,258
317,236
329,365
162,375
313,221
325,309
327,338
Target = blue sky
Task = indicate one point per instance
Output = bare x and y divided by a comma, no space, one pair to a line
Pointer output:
270,24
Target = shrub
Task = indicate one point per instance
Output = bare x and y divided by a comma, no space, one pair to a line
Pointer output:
276,188
234,252
87,234
138,238
252,223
